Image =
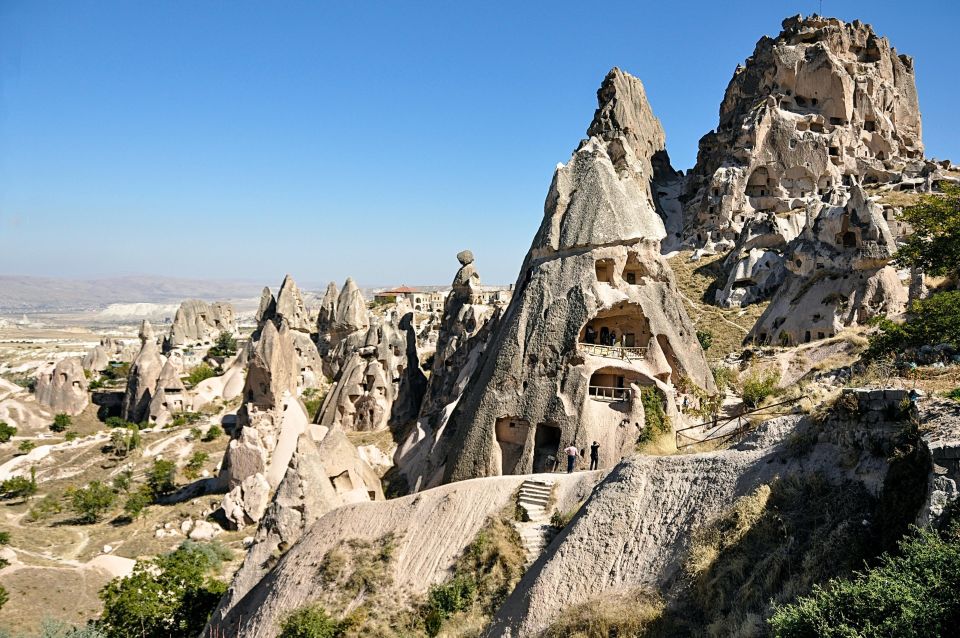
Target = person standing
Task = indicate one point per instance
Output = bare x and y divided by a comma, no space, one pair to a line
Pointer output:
572,454
594,455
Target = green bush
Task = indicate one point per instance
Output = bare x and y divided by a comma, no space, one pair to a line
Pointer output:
705,337
61,422
185,418
915,593
310,622
930,321
19,486
43,509
170,595
137,502
90,503
160,477
195,464
656,419
954,394
447,599
213,433
934,243
200,373
758,386
7,432
312,400
26,446
121,482
116,371
224,346
71,436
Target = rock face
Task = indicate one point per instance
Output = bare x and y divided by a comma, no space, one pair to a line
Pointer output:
464,331
269,422
836,273
144,374
290,307
594,319
198,322
819,107
99,357
324,473
169,397
64,387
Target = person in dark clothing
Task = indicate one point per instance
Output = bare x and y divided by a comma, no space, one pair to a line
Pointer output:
594,455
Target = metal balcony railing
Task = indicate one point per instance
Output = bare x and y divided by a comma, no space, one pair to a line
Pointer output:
608,393
626,353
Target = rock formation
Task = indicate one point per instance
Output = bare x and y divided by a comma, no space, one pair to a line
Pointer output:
99,357
198,322
327,314
143,377
823,106
595,317
63,387
290,307
169,396
836,273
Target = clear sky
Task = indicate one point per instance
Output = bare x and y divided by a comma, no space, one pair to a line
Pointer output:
245,140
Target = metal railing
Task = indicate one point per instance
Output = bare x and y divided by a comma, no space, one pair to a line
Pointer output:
743,425
609,393
627,353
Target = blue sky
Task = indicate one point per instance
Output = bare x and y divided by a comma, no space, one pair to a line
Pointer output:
245,140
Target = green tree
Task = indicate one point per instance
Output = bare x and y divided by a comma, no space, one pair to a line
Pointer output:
170,595
19,486
934,244
90,503
7,431
224,346
931,321
195,464
201,373
61,422
705,337
26,446
160,477
914,594
137,502
213,433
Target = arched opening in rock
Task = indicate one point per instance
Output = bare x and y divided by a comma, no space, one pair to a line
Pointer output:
797,181
612,385
342,483
511,433
546,447
759,184
633,270
619,331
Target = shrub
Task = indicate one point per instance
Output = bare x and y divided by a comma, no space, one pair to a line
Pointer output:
656,419
934,243
7,432
758,386
224,346
446,600
914,593
116,371
629,612
61,422
705,337
160,477
116,422
200,373
43,509
930,321
90,503
26,446
137,502
121,482
170,595
71,436
310,622
312,400
195,434
195,464
185,418
213,433
954,394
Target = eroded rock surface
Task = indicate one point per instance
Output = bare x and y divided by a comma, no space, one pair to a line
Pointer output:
63,387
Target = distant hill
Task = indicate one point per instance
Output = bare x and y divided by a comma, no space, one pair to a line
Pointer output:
43,294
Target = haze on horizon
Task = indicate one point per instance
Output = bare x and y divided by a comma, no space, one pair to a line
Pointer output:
245,141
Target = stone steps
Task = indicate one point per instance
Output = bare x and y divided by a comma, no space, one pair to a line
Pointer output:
535,530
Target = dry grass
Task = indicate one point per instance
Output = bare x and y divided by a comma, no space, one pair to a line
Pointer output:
629,612
899,199
698,281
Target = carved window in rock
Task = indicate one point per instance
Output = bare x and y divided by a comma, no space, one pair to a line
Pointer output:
616,327
604,268
612,385
634,270
759,184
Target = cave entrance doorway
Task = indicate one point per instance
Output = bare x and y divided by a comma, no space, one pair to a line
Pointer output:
546,447
512,436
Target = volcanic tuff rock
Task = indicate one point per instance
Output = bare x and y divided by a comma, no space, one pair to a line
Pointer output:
595,307
99,357
819,107
197,321
327,314
143,377
290,307
837,273
463,334
169,396
63,387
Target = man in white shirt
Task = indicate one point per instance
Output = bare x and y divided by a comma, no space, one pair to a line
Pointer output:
572,454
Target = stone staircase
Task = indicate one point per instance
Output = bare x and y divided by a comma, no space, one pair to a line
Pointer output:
535,530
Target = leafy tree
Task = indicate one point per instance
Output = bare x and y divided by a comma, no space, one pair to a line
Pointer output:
61,422
90,503
160,477
137,502
7,431
915,593
213,433
170,595
200,373
931,321
758,386
19,486
705,337
224,346
121,482
934,245
26,446
195,464
310,622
